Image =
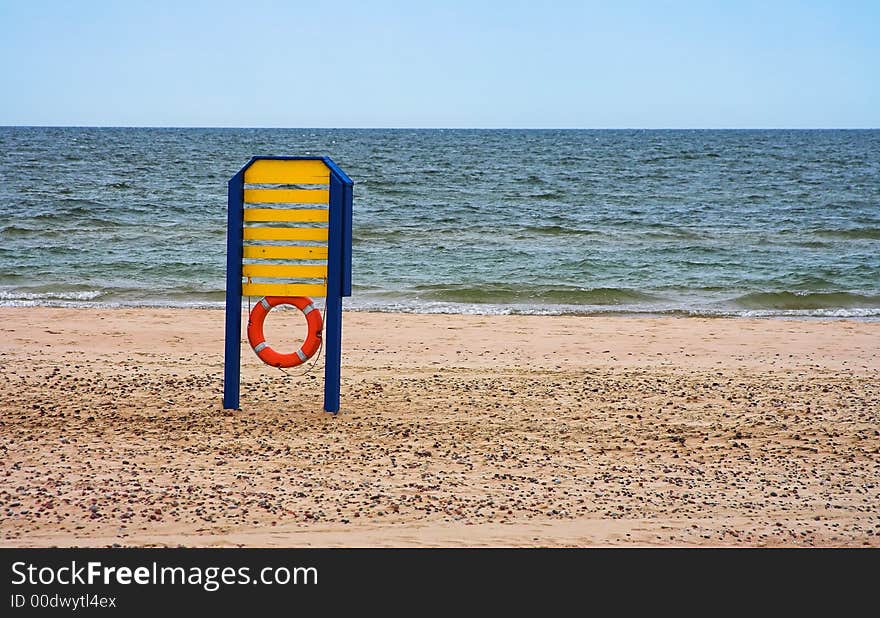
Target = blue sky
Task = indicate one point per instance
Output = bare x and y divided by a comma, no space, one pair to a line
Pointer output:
441,64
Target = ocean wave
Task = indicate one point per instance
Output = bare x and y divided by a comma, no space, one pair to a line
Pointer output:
681,156
78,218
448,308
532,195
21,295
850,313
78,205
12,230
806,300
182,295
107,304
559,230
812,244
500,293
416,306
861,233
674,233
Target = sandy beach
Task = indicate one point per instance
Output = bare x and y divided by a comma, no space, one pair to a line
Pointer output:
454,431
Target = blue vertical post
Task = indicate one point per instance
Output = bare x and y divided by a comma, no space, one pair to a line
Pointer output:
232,357
333,310
347,205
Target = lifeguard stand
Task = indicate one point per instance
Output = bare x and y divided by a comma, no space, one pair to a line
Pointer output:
303,205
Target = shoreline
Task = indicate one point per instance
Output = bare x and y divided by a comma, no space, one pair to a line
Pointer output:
455,430
744,314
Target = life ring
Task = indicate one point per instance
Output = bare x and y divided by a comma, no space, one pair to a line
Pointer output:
258,340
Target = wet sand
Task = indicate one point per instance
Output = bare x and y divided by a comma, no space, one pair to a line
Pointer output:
455,430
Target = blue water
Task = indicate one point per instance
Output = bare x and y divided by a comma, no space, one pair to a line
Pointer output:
469,221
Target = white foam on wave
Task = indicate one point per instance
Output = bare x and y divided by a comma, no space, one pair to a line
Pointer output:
842,312
88,298
22,296
587,310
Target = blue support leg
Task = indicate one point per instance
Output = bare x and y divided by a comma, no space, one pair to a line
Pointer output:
333,318
333,356
232,356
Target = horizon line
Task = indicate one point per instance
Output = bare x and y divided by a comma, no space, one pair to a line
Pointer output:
420,128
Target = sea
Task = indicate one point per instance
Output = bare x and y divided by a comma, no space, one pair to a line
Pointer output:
630,222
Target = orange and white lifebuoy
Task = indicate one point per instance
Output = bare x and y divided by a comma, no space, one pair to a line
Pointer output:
258,340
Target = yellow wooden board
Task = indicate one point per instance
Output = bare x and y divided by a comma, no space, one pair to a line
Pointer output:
285,271
283,289
281,172
285,233
286,196
298,215
285,253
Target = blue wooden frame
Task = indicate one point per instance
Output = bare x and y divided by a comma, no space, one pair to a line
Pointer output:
338,280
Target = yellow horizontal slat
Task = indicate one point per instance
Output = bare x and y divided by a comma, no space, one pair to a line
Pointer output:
299,215
285,271
286,196
295,172
283,289
285,253
285,233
